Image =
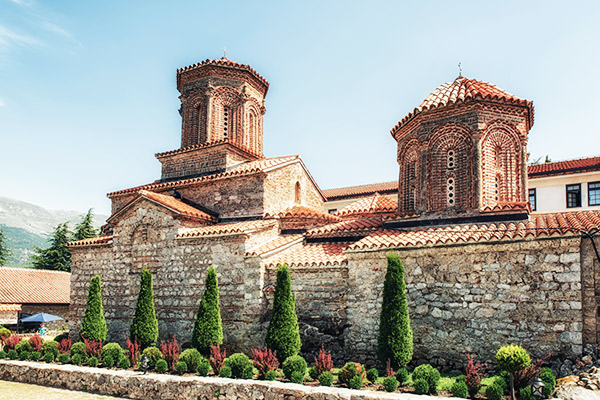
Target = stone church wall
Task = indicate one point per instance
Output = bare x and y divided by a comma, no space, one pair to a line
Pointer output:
280,189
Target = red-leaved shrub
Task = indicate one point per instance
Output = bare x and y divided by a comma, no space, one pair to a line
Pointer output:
64,346
524,376
264,361
11,342
323,361
93,348
134,348
217,358
474,373
36,342
170,351
389,371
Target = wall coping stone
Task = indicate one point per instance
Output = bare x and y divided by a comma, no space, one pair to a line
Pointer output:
135,385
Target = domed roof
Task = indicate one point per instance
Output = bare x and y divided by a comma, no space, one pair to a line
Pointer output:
463,90
224,62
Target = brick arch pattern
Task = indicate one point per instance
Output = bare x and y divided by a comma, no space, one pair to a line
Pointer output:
254,128
226,103
501,165
453,138
409,182
194,119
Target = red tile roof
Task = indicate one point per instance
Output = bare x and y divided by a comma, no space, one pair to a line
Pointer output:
243,169
224,62
205,145
312,255
464,90
26,286
539,225
244,227
361,190
355,227
280,243
95,241
305,212
10,307
375,204
567,167
507,206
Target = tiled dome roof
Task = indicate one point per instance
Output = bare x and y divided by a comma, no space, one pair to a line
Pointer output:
224,62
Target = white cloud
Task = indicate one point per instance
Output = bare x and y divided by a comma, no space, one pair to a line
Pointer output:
9,38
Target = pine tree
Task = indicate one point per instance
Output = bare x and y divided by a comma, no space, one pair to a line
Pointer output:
5,252
144,326
93,326
58,256
85,229
208,329
283,335
395,341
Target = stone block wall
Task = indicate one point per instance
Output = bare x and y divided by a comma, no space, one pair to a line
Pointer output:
280,189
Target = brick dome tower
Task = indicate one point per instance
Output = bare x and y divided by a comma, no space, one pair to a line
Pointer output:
463,154
222,108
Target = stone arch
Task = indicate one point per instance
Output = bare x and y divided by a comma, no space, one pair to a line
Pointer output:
253,126
226,114
409,182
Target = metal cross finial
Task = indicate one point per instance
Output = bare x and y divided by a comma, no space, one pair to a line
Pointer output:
225,52
459,69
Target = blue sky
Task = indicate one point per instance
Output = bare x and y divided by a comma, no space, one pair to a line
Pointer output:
88,96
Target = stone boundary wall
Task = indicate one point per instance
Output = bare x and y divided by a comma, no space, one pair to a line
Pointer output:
134,385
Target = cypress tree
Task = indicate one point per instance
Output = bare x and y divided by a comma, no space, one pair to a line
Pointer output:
144,326
283,335
5,252
93,326
395,341
208,328
85,229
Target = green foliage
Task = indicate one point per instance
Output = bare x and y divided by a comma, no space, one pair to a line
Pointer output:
111,349
76,359
390,384
421,386
93,326
78,348
283,335
501,381
355,382
313,372
85,228
124,363
204,368
494,392
5,252
63,358
49,357
271,375
248,372
372,375
208,329
23,345
549,379
2,354
24,355
161,366
12,354
154,354
461,378
145,325
526,393
238,362
60,337
225,372
292,364
512,358
192,359
297,377
326,378
402,376
35,356
51,347
459,389
181,367
93,361
108,360
57,256
5,332
395,341
429,374
350,370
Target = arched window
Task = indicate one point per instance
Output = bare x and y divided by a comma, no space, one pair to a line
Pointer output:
226,113
450,197
298,194
451,163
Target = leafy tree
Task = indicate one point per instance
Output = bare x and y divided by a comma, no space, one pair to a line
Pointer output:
144,326
5,252
85,229
93,326
283,335
208,329
58,256
395,341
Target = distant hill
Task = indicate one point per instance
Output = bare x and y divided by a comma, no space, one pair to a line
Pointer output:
27,225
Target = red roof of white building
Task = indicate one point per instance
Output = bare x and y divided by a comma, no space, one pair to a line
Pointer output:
34,286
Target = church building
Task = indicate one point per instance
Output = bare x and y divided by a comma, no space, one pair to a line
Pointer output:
482,269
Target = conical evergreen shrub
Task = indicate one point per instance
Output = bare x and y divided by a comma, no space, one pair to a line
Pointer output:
283,335
395,340
208,329
93,326
144,326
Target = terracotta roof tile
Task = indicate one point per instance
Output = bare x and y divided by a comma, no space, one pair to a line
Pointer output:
10,307
312,254
280,243
224,62
95,241
247,168
538,225
23,286
305,212
376,204
355,227
361,190
463,90
244,227
564,167
507,206
205,145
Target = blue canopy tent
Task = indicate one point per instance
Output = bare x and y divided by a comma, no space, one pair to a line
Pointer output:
41,317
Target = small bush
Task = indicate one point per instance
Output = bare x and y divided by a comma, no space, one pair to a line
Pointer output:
326,378
294,364
108,361
154,354
170,352
225,372
2,354
61,337
297,377
526,393
238,362
4,333
429,374
49,357
461,378
350,370
204,368
421,386
217,358
500,381
248,372
494,392
64,346
355,382
459,389
93,362
192,359
36,342
161,366
133,351
76,359
181,367
93,348
402,376
50,346
390,384
112,349
24,355
12,354
63,358
549,379
264,361
512,358
124,363
35,356
313,372
78,348
372,375
11,342
474,373
323,361
271,375
22,346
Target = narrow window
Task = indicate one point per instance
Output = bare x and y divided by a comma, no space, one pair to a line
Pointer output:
451,162
297,196
533,199
225,120
497,188
574,196
450,192
594,194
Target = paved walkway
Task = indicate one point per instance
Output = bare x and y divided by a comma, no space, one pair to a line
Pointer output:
23,391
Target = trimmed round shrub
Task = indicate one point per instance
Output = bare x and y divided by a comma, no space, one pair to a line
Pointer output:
154,354
326,378
526,393
2,354
294,364
355,382
421,386
402,376
313,372
161,366
549,379
429,375
248,372
78,348
60,337
459,389
108,361
63,358
192,359
49,357
4,333
12,354
50,346
35,356
93,362
461,378
297,377
181,367
390,384
512,358
501,381
76,359
271,375
204,368
350,370
372,375
238,362
112,349
24,355
124,363
494,392
225,372
23,345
